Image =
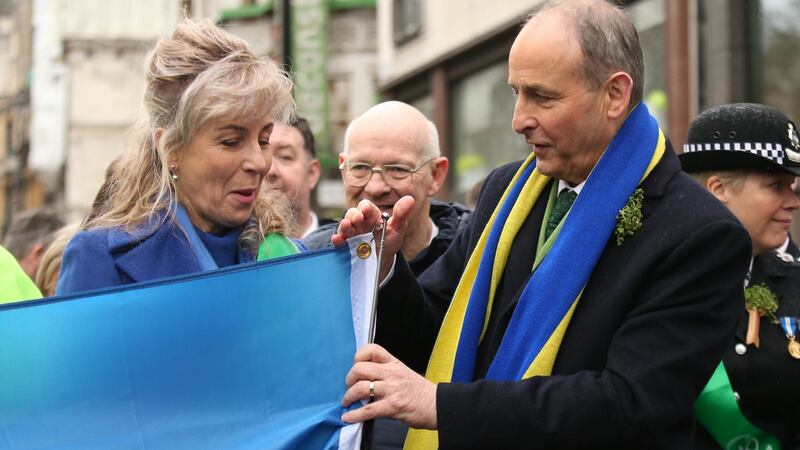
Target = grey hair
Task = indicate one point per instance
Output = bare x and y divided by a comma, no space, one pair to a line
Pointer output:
430,147
200,73
732,178
608,39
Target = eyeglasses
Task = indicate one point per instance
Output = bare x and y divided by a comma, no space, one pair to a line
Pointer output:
395,175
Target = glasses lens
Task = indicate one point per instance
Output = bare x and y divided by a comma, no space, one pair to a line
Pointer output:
357,174
396,176
397,173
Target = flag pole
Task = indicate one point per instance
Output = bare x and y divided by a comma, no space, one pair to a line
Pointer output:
373,319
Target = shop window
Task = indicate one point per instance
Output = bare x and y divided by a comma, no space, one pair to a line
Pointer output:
407,20
775,65
648,16
482,109
424,105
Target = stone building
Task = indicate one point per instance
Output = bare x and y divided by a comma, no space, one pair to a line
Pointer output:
88,79
71,82
331,51
19,188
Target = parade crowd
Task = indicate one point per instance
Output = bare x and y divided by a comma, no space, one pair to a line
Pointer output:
607,292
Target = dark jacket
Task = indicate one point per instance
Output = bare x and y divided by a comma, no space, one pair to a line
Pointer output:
766,378
651,326
449,217
105,257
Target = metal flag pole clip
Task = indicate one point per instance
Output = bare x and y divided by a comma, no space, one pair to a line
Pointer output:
384,220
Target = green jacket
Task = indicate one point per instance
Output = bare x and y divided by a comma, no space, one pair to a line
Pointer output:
14,283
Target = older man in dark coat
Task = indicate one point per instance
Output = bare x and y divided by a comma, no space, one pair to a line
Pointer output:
626,359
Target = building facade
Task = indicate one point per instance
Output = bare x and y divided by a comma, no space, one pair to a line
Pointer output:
72,79
71,76
329,47
449,59
19,188
88,80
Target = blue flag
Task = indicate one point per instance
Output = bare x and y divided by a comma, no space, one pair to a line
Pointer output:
252,356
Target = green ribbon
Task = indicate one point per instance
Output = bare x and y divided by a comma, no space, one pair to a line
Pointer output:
276,245
719,413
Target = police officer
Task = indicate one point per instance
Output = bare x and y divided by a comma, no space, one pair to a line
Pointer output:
748,155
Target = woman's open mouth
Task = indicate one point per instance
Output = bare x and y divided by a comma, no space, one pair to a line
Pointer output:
245,195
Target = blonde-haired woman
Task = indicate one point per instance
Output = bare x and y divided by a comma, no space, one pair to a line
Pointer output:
185,197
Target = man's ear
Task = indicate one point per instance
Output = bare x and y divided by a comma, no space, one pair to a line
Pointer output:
438,174
718,188
342,158
618,89
314,171
31,260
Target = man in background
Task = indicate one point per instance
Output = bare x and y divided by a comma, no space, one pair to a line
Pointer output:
28,237
295,170
390,151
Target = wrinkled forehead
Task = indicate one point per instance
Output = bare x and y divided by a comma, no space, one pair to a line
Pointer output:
387,143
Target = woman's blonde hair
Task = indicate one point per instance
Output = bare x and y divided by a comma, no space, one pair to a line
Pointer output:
50,267
199,73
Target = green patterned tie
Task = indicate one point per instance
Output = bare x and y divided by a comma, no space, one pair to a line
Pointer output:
564,201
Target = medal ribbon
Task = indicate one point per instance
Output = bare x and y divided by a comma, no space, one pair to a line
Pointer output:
789,325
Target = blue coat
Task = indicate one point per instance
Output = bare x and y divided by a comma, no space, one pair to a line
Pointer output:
105,257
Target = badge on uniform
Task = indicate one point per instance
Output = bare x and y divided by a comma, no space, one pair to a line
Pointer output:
793,153
789,325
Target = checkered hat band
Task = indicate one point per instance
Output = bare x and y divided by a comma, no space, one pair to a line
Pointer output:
773,152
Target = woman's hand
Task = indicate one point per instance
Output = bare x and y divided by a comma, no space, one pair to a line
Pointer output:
398,391
364,218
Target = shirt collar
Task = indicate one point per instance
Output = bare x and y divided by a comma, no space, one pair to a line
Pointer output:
783,247
434,231
314,225
563,185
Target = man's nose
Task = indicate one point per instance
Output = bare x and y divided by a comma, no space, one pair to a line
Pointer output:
274,172
524,117
376,185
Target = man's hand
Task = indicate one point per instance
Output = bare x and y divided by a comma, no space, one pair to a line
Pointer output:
364,218
399,392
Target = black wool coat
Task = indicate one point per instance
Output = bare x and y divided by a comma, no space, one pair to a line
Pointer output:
652,324
767,378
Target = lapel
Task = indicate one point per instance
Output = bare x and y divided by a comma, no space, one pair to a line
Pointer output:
152,251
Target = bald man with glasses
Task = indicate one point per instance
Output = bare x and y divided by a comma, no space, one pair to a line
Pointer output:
390,151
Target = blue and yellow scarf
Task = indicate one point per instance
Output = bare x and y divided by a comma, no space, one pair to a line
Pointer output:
551,294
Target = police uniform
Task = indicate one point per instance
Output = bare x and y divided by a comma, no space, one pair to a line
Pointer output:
765,379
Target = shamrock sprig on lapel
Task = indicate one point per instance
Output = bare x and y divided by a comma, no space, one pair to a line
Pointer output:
629,218
760,298
760,301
